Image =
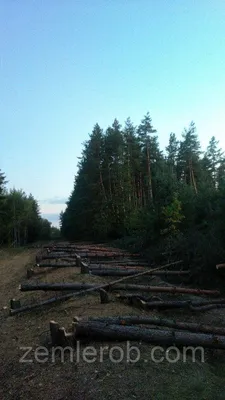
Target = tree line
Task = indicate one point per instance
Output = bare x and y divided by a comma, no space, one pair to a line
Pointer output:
20,219
127,188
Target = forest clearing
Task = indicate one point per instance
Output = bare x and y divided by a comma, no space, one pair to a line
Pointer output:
112,200
133,307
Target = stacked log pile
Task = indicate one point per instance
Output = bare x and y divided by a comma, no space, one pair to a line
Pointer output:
93,260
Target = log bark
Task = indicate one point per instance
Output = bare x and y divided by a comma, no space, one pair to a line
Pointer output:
192,305
44,265
103,256
84,292
118,272
101,331
167,289
137,320
114,267
55,257
122,263
25,287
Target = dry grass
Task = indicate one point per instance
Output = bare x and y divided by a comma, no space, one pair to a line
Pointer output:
80,380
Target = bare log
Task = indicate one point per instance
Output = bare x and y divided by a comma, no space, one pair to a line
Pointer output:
139,320
101,331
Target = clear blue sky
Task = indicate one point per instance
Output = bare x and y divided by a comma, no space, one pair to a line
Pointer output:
67,64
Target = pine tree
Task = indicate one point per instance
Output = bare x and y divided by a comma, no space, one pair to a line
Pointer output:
145,129
214,157
188,166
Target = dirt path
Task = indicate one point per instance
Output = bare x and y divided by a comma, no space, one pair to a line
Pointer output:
78,379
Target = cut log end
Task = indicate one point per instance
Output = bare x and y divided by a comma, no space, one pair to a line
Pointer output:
218,266
84,268
104,297
14,304
30,273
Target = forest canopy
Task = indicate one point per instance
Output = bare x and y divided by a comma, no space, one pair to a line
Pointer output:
128,188
20,219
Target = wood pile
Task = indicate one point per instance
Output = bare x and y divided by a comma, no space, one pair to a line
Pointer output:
92,260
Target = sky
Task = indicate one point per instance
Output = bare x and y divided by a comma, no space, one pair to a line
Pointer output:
67,64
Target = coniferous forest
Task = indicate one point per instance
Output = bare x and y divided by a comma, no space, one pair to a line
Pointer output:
20,219
163,202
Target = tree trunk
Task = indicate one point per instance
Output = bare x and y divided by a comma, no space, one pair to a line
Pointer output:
150,193
124,272
24,287
50,265
101,331
137,320
192,305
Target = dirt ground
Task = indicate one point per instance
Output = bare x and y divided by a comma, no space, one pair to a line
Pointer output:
74,378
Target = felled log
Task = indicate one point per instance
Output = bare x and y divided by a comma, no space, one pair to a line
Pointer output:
120,272
84,292
105,256
59,336
113,267
102,331
44,265
218,266
101,250
62,250
122,263
56,257
37,305
24,287
112,272
139,320
166,289
192,305
208,307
